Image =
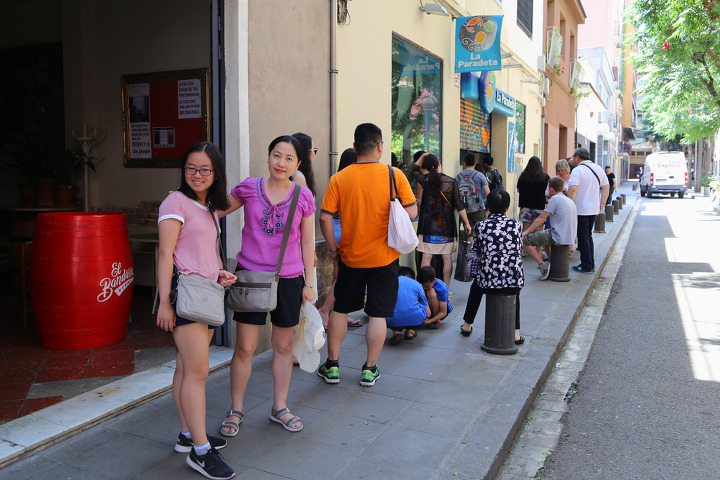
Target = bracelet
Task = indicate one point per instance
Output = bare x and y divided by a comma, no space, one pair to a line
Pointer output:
308,285
332,252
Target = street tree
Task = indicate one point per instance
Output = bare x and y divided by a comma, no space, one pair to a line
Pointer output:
676,47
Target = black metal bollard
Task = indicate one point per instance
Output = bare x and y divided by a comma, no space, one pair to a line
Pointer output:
500,325
560,263
609,213
620,203
600,223
616,206
624,198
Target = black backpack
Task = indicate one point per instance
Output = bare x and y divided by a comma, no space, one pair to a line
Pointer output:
494,179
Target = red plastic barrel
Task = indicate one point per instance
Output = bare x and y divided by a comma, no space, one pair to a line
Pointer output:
81,278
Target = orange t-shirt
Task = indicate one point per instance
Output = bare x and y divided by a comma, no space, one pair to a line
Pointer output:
360,195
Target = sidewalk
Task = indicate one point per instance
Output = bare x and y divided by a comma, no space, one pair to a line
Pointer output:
442,408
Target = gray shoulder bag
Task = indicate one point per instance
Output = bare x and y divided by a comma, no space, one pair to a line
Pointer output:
257,291
200,299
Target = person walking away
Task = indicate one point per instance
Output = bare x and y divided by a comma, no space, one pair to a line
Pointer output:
613,184
493,176
348,156
436,225
531,186
360,194
588,188
473,188
497,242
188,243
266,202
562,214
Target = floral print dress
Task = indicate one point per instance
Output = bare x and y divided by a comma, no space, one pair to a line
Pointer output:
498,242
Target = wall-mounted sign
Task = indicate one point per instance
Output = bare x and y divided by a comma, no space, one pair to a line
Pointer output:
477,43
483,89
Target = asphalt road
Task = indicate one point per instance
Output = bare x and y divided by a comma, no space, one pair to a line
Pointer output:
648,401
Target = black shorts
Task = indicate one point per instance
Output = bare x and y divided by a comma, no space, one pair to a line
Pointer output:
287,311
381,284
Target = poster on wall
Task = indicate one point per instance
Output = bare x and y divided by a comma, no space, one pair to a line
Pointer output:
477,43
163,114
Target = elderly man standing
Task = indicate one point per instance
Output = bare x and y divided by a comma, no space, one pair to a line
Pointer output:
367,266
589,188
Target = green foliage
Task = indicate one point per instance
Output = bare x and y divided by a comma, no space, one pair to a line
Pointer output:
682,95
705,181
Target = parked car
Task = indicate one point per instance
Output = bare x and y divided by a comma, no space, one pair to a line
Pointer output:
664,172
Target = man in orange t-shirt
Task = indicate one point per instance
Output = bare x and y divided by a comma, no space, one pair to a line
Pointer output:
360,195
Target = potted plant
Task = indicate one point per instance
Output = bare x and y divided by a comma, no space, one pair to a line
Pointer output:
705,184
69,169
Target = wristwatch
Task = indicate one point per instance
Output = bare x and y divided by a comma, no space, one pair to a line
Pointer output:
308,285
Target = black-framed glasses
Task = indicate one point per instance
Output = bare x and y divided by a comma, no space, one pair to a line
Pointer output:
205,172
314,150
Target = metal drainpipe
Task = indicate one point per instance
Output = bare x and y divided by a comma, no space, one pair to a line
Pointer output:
333,87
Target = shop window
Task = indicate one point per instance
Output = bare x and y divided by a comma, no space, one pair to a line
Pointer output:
519,127
416,101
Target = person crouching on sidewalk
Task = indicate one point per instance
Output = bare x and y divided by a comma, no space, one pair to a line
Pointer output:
563,225
411,308
438,295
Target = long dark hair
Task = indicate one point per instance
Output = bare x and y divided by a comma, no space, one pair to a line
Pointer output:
348,157
533,172
305,166
217,194
431,163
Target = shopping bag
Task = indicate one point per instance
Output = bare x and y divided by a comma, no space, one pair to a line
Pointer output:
308,338
462,273
401,234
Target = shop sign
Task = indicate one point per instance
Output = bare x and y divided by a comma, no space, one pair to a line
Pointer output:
477,43
483,89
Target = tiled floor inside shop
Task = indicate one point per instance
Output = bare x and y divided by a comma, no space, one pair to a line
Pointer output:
33,377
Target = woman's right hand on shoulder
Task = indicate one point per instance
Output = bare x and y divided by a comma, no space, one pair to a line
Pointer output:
166,317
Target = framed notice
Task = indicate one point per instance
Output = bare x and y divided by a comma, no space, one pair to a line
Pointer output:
163,114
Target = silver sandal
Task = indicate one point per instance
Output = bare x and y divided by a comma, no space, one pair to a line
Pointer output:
275,417
234,425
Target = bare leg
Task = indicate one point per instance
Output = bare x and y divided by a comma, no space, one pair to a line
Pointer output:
375,338
241,364
330,299
532,251
282,368
337,329
192,345
433,301
426,259
177,381
447,268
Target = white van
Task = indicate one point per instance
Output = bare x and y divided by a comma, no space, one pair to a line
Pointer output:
664,172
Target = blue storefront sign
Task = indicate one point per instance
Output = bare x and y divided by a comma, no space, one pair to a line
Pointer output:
482,89
477,43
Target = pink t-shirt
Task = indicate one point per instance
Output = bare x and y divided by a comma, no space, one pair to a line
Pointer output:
264,226
196,250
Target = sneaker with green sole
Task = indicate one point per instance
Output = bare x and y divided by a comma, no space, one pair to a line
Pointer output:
330,375
368,377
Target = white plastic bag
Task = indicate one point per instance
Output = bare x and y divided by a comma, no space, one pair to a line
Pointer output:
401,234
308,338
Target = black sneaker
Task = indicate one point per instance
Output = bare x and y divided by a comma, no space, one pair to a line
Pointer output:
184,444
210,465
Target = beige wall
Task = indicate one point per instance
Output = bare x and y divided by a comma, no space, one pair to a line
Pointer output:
102,42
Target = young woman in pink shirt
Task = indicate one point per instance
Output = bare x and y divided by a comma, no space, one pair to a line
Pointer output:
189,241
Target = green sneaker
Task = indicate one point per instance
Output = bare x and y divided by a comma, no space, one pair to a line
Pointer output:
368,378
330,375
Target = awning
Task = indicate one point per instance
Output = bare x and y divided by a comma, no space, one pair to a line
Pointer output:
628,133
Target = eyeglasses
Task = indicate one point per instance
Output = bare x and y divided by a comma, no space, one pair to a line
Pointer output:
205,172
314,150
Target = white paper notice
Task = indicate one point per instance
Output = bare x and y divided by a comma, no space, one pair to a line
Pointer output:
140,138
189,100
